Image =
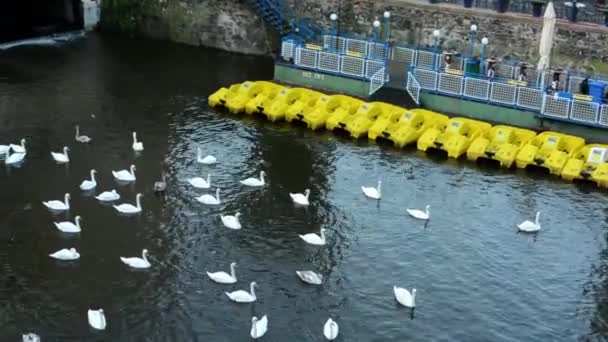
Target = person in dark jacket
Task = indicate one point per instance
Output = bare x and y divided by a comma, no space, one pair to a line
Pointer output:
584,86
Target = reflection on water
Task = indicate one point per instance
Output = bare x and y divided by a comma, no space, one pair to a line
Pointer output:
476,278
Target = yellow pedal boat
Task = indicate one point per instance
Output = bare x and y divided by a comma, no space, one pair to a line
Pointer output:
550,150
500,143
454,138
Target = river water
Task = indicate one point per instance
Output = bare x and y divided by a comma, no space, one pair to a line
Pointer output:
476,278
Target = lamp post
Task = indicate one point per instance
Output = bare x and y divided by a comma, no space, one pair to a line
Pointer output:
484,45
436,34
334,32
472,34
387,25
375,25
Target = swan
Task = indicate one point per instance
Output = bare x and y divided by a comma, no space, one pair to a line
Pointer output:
58,205
108,196
160,186
315,239
137,145
404,297
254,181
61,157
97,319
223,277
207,160
137,262
371,192
66,254
331,329
69,227
419,214
30,337
125,175
231,222
310,277
242,296
201,183
127,208
89,184
81,138
209,199
18,148
14,158
301,199
530,227
258,326
4,149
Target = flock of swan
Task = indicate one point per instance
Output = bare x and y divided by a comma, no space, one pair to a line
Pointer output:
259,326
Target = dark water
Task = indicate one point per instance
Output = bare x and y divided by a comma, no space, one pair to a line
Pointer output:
476,279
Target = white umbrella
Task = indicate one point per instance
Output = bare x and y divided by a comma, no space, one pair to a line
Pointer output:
546,38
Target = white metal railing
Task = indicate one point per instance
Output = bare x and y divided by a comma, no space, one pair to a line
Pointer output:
604,115
376,81
426,78
353,66
477,88
404,55
558,107
503,70
372,66
425,59
377,50
356,46
413,87
457,62
287,50
574,84
334,44
529,98
329,62
306,57
450,83
503,93
584,111
532,75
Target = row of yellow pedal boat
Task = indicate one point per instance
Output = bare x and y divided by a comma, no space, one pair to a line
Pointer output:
564,155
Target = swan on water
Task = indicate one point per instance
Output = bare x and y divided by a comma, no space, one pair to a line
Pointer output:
206,160
69,227
310,277
242,296
97,319
30,337
127,208
258,326
160,186
231,222
371,192
223,277
137,262
4,149
61,157
137,145
201,183
14,158
108,196
404,297
125,175
529,226
66,254
58,205
255,181
209,199
89,184
419,214
330,329
18,148
301,199
81,138
315,239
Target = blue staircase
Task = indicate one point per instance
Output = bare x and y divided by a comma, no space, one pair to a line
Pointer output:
278,15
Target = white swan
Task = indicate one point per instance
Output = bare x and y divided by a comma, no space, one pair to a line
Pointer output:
315,239
97,319
242,296
108,196
127,208
259,327
331,329
160,186
209,199
201,183
137,262
18,148
207,160
58,205
530,227
125,175
81,138
223,277
404,297
66,254
61,157
14,158
69,227
371,192
301,199
231,222
310,277
89,184
137,145
419,214
255,181
4,149
30,337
